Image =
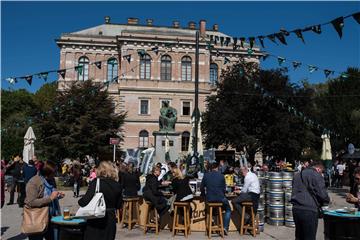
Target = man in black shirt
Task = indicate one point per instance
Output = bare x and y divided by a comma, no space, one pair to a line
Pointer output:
354,195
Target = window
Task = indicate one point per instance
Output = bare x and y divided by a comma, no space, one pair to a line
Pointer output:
185,138
112,66
144,106
186,108
84,74
143,139
145,66
186,69
165,69
213,73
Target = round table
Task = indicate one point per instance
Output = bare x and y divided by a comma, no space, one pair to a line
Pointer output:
74,225
341,226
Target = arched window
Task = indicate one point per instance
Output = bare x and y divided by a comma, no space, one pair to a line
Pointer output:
84,74
112,67
213,73
145,66
186,68
165,69
185,139
143,139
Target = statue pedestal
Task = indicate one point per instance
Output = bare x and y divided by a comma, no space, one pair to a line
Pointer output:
174,142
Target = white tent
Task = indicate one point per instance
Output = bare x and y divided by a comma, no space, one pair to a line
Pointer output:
29,149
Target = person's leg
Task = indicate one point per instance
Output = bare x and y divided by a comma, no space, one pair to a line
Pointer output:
243,197
12,191
78,187
227,215
310,224
75,187
298,224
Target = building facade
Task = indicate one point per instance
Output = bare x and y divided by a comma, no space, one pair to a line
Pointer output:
151,64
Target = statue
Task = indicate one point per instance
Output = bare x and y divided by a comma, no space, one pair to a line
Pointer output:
167,119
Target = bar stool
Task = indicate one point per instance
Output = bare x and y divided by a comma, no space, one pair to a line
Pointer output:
129,205
185,206
252,225
219,226
150,209
118,215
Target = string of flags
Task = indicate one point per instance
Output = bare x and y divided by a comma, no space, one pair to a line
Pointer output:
337,23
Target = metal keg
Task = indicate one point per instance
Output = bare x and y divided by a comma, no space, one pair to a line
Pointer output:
287,179
288,198
275,182
276,198
289,220
276,216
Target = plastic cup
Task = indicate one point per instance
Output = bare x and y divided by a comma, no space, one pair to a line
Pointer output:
66,214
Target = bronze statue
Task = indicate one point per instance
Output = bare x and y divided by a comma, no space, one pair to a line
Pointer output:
167,119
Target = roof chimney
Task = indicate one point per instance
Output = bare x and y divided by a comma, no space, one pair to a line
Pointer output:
149,22
192,25
202,28
176,24
107,20
216,27
133,21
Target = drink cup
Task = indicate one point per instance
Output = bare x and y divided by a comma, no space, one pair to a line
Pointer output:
66,214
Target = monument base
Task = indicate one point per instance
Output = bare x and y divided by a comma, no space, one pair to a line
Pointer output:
174,145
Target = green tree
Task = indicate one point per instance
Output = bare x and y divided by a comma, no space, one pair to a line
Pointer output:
242,115
45,97
80,123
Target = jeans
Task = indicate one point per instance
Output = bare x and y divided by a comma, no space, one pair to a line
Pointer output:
306,223
227,215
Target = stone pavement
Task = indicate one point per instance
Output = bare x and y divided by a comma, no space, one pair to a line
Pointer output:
11,221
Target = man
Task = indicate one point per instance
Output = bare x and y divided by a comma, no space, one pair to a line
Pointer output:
250,192
16,170
213,188
223,166
354,195
308,195
340,172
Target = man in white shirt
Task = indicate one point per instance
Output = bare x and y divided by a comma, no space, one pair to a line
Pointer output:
250,192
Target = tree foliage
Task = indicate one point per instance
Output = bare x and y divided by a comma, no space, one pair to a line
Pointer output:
81,122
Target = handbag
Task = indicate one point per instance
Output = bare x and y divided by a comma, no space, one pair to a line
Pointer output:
35,220
96,208
320,210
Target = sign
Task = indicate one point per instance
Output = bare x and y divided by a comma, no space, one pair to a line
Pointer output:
114,141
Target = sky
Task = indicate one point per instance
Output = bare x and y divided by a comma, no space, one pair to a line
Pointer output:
29,30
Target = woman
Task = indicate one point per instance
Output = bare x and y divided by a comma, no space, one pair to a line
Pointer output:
181,188
40,192
104,228
152,194
130,181
76,174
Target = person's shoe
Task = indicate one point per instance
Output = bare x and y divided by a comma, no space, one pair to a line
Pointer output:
10,203
226,232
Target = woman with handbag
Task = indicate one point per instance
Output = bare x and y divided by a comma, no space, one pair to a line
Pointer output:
104,228
41,203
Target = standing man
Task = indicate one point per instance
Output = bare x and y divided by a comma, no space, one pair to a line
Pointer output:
308,195
213,188
354,195
250,192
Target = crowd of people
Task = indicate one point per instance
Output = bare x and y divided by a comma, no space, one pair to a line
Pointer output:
37,188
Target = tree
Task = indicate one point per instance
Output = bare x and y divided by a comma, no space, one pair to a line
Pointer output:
45,97
80,123
245,113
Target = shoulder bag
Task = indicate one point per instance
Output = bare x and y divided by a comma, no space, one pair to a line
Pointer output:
35,220
96,208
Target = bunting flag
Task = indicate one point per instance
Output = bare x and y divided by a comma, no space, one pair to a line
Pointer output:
112,62
242,40
286,33
272,38
62,73
296,64
316,29
29,79
127,58
344,75
299,34
79,69
261,39
250,51
356,16
227,41
338,24
226,60
265,56
141,52
235,42
216,39
312,68
281,38
12,81
209,45
281,60
328,72
44,75
217,53
98,64
251,41
154,49
222,41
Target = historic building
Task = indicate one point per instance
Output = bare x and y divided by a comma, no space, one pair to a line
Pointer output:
151,65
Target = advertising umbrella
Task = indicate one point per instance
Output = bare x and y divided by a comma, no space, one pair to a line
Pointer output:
29,148
326,155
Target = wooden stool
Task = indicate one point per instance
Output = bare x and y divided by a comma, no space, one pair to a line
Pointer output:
252,225
129,204
176,225
219,226
151,209
118,215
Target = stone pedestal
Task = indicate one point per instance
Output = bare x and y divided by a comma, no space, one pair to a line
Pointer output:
175,145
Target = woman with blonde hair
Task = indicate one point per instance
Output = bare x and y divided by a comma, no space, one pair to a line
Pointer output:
104,228
180,186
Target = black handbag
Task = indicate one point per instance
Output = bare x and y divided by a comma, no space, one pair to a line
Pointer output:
320,210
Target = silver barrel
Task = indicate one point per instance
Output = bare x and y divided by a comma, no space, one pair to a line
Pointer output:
288,198
287,179
289,220
276,198
276,215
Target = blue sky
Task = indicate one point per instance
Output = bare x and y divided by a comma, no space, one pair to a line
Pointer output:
29,30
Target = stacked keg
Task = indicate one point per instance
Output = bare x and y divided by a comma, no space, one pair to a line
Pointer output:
261,208
275,199
287,184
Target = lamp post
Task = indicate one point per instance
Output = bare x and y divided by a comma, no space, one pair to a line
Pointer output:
196,93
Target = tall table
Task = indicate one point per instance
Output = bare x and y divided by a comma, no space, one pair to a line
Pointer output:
73,224
341,226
